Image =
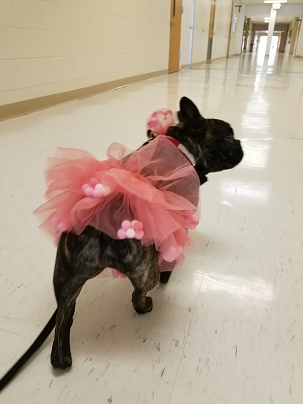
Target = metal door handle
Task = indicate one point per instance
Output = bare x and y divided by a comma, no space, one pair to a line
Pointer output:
172,23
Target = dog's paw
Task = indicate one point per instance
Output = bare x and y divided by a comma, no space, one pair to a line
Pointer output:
148,306
164,277
61,362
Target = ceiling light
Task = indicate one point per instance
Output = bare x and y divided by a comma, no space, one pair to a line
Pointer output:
276,6
275,1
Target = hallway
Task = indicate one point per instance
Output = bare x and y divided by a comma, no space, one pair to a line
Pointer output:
227,329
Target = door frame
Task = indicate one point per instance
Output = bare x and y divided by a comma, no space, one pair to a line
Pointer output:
174,18
211,30
191,33
230,27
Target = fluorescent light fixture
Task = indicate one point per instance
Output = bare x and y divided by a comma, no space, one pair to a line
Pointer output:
275,1
276,6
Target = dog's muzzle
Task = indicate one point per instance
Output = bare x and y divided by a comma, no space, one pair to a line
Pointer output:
235,156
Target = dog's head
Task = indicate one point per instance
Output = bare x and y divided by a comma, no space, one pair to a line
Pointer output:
210,141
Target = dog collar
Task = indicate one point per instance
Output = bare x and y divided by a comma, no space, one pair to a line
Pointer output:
183,150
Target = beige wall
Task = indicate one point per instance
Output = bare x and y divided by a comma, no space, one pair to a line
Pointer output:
201,26
221,29
299,51
237,36
53,46
290,27
294,36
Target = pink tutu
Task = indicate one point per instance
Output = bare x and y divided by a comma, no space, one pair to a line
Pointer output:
151,194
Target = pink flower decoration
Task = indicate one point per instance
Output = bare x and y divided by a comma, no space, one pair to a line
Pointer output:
168,257
139,234
121,234
192,218
97,193
93,182
131,230
95,189
195,218
172,253
160,120
84,187
126,224
180,249
61,225
130,233
138,226
89,191
55,221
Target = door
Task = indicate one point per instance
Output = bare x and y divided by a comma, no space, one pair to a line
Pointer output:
281,41
230,25
211,30
175,35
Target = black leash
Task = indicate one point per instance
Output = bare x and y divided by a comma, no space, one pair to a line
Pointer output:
32,349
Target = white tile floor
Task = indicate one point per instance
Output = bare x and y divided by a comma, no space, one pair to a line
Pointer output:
228,327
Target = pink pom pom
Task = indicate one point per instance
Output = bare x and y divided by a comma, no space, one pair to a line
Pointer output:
62,227
99,187
188,216
139,234
93,182
55,221
106,190
172,250
126,225
121,234
195,218
89,191
130,233
170,254
84,187
180,249
167,257
97,193
138,225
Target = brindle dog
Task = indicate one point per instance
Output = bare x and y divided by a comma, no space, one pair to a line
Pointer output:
79,258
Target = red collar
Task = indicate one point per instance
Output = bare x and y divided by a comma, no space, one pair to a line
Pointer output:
183,150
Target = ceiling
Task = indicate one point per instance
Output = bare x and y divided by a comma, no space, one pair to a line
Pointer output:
285,15
279,20
261,2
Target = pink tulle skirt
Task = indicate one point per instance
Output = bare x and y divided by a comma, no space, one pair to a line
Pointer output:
151,194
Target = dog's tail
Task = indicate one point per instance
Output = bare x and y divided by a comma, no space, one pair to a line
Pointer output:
31,350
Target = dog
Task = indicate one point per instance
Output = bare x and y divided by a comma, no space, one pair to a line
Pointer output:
212,145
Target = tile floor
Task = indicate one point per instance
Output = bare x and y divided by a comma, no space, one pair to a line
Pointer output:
228,328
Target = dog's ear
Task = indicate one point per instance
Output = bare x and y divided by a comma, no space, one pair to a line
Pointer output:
180,116
189,113
149,134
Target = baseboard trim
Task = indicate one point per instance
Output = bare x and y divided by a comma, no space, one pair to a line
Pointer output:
197,64
220,58
25,107
186,66
208,62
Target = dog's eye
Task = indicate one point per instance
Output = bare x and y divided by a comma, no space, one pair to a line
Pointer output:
228,137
